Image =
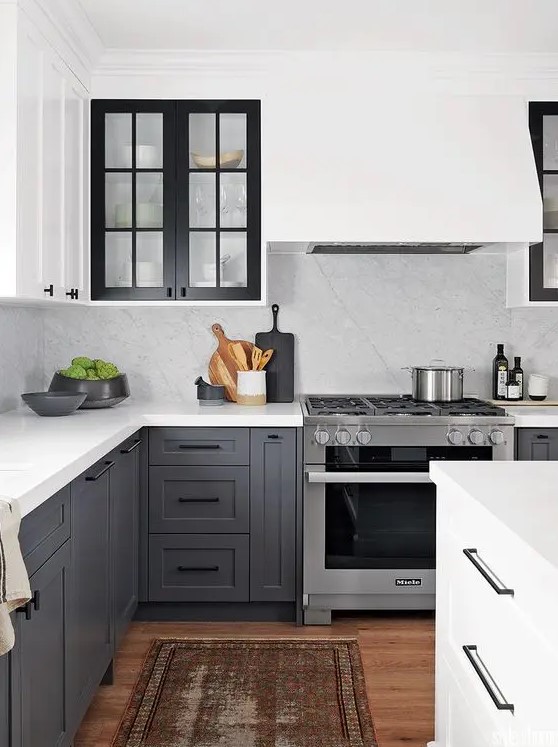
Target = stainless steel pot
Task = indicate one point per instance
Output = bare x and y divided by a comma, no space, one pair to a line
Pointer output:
437,382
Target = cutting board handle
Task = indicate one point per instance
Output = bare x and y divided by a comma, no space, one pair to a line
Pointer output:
218,331
275,312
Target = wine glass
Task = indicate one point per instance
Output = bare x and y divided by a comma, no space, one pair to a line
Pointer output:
240,204
199,202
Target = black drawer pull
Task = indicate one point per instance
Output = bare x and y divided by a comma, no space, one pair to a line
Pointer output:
542,437
27,609
199,447
487,680
198,500
274,436
132,447
182,568
36,601
106,468
49,290
486,572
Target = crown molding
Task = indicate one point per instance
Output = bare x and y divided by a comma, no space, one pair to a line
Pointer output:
66,27
170,61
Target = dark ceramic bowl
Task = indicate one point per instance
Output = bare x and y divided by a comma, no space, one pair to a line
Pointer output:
53,404
103,393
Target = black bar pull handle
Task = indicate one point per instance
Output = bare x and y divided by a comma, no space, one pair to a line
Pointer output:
36,601
50,290
487,680
133,447
198,500
274,436
169,292
93,478
473,555
26,609
182,568
542,437
199,447
183,292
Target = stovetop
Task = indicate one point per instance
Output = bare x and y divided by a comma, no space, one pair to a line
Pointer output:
397,406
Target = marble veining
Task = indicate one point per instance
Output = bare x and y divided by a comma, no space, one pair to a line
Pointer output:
21,354
358,320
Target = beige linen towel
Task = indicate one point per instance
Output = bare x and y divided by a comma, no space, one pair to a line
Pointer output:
14,581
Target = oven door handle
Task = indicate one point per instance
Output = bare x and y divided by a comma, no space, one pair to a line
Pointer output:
368,477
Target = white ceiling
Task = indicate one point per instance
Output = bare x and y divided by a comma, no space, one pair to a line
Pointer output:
436,25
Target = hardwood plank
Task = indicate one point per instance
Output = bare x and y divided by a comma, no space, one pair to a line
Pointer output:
397,652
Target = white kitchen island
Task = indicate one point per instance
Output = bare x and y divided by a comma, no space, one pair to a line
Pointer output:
496,604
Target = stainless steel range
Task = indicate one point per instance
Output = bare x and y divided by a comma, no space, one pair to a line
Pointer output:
369,504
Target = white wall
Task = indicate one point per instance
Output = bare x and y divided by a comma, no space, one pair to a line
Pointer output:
21,354
357,319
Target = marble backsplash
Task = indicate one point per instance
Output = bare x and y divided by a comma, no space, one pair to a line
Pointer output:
358,321
21,354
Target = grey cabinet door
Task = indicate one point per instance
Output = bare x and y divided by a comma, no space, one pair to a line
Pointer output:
91,628
537,444
43,660
5,703
124,531
198,568
273,474
199,447
199,499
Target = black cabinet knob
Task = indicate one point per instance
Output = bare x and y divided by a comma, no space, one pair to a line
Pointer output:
50,290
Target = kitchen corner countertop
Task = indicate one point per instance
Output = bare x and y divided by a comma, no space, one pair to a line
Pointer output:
39,456
522,495
534,417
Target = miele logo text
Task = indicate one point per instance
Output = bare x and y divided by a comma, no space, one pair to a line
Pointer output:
408,581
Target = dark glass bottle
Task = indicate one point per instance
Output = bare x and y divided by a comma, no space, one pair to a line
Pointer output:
517,374
500,374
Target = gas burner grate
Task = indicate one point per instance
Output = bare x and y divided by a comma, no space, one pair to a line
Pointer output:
398,405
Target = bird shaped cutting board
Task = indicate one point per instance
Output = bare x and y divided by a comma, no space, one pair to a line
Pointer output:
223,366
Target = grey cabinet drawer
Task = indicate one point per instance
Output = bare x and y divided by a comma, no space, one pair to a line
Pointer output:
199,447
45,529
199,499
199,568
537,444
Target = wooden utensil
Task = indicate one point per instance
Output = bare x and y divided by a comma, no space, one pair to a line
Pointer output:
266,357
222,366
280,372
256,358
239,355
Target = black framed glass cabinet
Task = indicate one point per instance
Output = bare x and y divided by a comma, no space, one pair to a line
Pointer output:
175,200
543,257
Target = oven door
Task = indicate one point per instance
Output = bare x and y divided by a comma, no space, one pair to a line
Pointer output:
369,538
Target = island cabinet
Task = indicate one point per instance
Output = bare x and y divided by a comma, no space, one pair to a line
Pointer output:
537,444
221,522
5,704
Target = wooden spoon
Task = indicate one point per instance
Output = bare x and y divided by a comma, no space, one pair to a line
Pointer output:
239,355
256,358
266,357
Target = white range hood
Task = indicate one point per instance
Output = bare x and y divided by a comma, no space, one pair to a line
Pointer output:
424,173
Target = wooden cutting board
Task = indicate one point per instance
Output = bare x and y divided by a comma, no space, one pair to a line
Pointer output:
524,403
280,369
222,366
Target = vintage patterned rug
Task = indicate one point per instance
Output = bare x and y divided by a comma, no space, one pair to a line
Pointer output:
295,692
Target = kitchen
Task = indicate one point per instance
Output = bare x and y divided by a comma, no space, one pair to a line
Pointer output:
373,168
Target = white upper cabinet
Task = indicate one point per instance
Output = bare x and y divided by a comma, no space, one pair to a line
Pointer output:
44,190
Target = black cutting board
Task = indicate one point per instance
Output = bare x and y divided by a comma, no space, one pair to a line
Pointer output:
280,369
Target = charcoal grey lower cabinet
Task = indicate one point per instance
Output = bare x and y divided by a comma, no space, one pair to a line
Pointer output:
42,656
5,700
537,444
124,533
91,635
273,470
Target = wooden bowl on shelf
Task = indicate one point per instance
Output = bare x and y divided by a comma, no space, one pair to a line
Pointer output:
229,160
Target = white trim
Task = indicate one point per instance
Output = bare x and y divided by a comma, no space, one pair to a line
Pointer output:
170,61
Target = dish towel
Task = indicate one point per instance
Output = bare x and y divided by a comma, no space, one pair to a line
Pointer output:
14,581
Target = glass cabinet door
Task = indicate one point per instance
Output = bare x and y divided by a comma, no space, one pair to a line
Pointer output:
132,200
218,215
543,266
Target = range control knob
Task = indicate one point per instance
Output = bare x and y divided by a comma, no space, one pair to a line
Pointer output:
455,438
497,437
321,436
476,437
343,436
364,437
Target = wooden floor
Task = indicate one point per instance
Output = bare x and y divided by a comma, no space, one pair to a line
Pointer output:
397,652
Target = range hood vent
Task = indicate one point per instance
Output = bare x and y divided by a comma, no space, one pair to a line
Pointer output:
392,248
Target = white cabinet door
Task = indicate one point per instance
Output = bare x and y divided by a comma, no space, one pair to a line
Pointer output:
74,187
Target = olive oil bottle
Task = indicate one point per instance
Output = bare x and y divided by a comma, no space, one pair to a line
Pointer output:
500,374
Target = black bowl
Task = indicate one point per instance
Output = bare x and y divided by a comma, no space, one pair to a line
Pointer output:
102,393
53,404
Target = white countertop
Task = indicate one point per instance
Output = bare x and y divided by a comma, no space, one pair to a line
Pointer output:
39,456
523,495
534,417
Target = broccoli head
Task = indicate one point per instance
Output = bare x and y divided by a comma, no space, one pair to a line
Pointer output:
74,372
83,361
92,375
106,370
